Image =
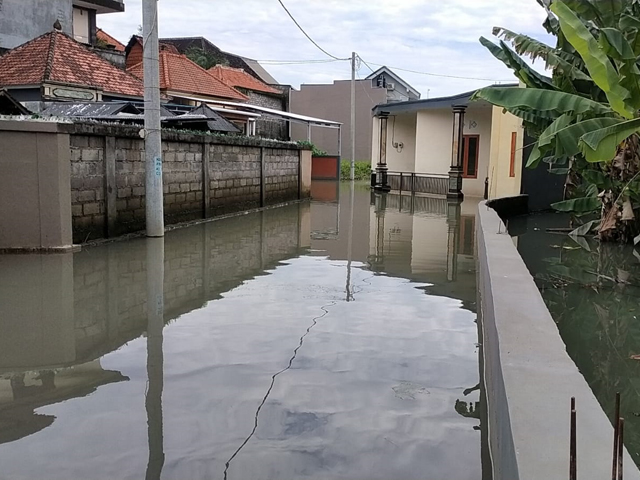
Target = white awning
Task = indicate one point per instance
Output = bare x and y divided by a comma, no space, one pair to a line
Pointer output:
270,112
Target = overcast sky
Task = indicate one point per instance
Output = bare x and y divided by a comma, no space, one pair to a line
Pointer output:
434,36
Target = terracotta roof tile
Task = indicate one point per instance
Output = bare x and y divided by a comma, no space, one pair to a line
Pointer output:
105,37
236,77
56,57
178,73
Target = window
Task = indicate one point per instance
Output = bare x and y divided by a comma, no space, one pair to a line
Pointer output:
470,151
512,160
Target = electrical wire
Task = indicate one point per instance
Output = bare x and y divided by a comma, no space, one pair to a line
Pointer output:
297,62
438,74
307,35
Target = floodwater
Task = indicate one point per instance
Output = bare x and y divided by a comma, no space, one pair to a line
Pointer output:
592,292
328,340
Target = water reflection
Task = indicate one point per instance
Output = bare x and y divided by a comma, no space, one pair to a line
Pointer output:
301,342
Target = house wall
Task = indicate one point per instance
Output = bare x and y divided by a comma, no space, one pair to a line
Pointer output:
427,136
480,115
434,133
400,129
24,20
333,102
501,184
269,127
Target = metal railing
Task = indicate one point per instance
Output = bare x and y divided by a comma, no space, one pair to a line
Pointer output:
418,182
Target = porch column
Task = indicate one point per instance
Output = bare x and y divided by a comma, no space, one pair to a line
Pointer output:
457,153
381,169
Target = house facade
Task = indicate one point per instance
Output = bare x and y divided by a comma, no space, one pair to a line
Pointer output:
24,20
397,89
259,94
333,101
420,140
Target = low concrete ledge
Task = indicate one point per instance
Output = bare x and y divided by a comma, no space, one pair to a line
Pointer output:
529,377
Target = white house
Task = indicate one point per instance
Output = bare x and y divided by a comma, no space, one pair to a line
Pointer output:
420,140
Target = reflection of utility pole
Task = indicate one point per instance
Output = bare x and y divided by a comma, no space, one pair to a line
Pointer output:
350,239
155,324
453,238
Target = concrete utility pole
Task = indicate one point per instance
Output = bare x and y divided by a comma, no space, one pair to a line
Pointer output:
353,114
152,128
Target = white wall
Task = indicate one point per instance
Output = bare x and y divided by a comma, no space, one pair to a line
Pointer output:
480,116
434,134
81,25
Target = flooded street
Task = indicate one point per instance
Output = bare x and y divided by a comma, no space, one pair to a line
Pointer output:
320,341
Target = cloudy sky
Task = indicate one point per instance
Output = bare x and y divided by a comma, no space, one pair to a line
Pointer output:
432,36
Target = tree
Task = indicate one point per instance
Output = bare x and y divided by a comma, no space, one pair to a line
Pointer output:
204,58
586,115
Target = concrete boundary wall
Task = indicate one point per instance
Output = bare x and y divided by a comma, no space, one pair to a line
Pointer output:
90,179
529,377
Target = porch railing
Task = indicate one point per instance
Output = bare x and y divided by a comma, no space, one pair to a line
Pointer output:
418,182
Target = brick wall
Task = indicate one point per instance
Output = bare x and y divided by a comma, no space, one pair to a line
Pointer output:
108,177
269,127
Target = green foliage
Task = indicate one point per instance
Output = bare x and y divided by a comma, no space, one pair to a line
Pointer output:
205,59
362,170
586,115
315,151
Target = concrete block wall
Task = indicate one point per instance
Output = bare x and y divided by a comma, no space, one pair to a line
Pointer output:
203,176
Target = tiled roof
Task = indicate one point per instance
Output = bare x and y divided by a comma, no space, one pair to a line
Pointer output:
56,57
108,39
179,74
236,77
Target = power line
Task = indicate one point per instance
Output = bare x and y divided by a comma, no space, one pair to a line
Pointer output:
438,74
307,35
298,62
368,66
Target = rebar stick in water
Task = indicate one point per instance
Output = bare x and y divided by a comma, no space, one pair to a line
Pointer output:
573,466
620,446
616,421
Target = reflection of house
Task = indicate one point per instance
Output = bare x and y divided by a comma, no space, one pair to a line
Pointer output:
420,138
24,20
333,101
22,393
56,67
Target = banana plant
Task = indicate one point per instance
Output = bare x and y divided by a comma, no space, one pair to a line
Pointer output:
586,115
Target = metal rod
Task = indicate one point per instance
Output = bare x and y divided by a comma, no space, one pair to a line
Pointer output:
616,425
353,115
153,136
620,446
573,466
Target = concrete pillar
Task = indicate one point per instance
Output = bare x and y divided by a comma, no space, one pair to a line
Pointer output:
206,180
457,153
381,169
305,173
111,190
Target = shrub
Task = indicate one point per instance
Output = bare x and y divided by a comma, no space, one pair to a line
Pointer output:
315,151
362,170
